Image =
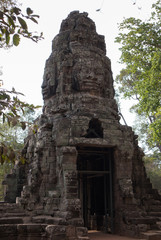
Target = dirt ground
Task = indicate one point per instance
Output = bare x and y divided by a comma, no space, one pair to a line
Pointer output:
94,235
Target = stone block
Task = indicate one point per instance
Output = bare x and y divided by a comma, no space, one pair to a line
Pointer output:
83,238
11,220
71,231
82,231
69,166
151,235
158,224
142,227
56,232
31,229
8,230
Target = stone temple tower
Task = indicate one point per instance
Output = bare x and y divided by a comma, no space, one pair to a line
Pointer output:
85,169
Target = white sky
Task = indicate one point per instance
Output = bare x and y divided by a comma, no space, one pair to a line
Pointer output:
23,66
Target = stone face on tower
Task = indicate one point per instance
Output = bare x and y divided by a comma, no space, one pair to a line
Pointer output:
78,62
85,169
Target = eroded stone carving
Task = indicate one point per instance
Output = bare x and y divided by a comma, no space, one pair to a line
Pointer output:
84,168
77,62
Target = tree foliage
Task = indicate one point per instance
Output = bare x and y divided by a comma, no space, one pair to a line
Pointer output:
141,78
153,168
13,114
12,142
12,134
13,24
11,108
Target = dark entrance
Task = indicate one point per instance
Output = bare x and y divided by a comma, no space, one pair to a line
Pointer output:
95,168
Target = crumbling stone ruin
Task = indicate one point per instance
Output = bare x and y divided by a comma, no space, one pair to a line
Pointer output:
84,169
14,182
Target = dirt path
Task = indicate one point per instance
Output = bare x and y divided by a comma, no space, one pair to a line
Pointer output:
94,235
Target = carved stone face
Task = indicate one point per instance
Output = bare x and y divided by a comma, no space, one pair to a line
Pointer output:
50,82
77,62
47,89
90,75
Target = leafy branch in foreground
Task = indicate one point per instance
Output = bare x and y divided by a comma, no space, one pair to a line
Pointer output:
13,25
11,111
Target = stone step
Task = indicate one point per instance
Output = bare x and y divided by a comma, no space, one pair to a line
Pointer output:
11,220
155,208
10,208
8,231
38,212
158,225
56,221
8,205
38,219
6,215
83,238
48,220
155,202
22,231
143,220
151,235
157,214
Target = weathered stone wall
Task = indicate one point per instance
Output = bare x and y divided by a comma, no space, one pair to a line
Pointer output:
80,110
14,183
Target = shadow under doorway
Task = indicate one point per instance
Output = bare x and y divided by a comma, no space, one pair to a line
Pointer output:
95,174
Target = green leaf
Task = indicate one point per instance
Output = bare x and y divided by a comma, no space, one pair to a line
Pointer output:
23,160
4,117
8,121
5,10
35,15
10,21
34,20
13,17
1,15
16,10
3,30
7,37
16,39
12,30
23,125
23,23
29,11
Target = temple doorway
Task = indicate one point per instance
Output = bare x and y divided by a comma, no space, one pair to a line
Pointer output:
95,175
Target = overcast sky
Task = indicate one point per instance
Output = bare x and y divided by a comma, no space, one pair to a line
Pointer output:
23,66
